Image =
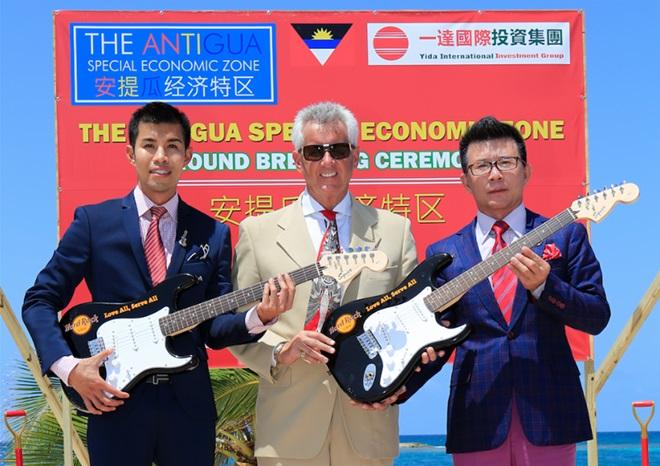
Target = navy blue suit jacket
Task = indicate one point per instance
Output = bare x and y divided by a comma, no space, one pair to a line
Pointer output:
103,247
530,359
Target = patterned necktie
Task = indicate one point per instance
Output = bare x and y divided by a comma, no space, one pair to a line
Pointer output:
153,248
326,292
504,280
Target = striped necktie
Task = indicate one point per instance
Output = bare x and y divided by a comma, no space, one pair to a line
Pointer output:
153,248
504,280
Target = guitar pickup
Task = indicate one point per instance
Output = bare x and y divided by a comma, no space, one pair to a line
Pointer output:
369,344
95,346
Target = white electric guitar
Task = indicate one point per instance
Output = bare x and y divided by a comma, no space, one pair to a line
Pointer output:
139,331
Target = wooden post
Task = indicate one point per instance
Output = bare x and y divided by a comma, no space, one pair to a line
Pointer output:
590,395
68,432
53,400
628,333
594,382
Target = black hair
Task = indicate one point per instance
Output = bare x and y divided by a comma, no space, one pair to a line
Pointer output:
486,129
158,112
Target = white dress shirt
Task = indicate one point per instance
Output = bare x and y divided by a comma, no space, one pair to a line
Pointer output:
317,224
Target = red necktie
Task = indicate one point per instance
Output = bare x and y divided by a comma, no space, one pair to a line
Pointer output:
324,287
504,280
153,248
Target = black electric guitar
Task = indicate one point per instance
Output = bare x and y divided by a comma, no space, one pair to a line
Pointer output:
379,340
139,331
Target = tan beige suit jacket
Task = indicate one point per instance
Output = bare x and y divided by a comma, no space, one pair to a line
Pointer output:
294,410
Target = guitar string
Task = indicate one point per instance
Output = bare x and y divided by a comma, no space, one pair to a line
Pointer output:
198,313
351,261
194,315
466,280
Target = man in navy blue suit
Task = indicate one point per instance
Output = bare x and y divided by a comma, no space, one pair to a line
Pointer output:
167,419
515,395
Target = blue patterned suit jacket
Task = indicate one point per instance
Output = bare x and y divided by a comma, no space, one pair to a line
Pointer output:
530,359
103,247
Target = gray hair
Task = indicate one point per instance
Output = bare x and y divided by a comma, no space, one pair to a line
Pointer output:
324,113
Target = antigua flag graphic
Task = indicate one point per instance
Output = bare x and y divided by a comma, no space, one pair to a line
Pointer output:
322,39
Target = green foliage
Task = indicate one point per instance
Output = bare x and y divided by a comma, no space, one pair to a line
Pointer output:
235,393
42,440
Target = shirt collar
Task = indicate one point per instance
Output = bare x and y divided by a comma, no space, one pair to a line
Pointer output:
143,203
516,219
311,206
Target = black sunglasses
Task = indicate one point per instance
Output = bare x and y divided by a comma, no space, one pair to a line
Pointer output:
315,152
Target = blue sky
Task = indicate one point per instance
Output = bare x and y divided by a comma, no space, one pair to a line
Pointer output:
623,98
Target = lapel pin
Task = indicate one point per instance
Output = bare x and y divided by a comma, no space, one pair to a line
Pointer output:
183,241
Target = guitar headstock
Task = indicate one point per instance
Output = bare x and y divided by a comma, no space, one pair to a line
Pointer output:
597,206
344,266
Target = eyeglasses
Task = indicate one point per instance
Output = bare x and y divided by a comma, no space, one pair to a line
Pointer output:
504,164
315,152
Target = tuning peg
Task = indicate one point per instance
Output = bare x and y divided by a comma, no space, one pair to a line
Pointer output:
349,250
358,248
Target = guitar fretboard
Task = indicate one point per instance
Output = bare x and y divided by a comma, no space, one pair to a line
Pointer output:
462,283
194,315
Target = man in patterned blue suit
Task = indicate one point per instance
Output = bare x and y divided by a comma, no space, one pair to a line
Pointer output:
168,419
515,394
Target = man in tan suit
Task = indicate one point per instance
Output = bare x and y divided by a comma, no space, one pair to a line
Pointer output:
303,418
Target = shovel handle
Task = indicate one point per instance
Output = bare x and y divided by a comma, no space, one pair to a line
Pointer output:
643,424
18,450
16,413
643,404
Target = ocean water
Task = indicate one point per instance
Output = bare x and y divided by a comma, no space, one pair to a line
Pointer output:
614,449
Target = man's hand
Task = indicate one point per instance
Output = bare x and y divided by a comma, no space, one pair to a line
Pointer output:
383,404
429,355
87,381
306,345
530,268
274,303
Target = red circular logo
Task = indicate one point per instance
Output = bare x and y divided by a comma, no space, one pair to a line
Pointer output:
390,43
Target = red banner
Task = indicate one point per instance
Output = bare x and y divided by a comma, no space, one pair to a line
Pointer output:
415,80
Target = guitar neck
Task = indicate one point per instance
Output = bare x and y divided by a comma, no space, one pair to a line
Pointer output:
190,317
447,293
